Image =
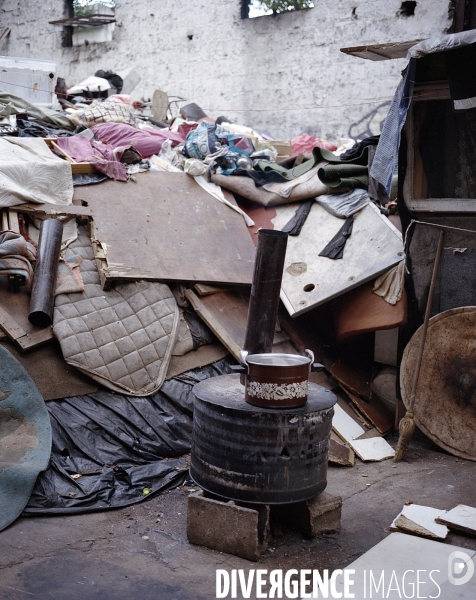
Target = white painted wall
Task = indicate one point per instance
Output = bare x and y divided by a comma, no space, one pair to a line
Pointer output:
284,75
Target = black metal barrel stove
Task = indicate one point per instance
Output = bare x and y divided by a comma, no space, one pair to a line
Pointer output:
262,436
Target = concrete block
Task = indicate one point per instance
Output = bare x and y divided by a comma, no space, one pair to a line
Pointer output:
228,527
316,516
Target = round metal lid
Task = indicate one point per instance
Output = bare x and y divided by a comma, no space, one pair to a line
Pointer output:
227,391
278,360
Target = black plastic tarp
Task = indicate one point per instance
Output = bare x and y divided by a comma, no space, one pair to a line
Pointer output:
125,449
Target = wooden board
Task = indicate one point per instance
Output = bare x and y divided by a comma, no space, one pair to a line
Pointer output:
14,310
340,453
387,51
445,406
361,311
354,375
226,314
374,411
310,280
166,227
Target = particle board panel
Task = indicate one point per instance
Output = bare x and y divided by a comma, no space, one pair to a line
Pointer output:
165,227
310,280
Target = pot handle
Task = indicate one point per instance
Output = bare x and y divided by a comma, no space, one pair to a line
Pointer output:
313,367
243,366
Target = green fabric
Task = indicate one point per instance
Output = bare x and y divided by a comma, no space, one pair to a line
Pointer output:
319,155
11,105
344,175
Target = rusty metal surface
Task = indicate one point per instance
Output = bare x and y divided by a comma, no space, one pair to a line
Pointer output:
445,404
259,455
46,270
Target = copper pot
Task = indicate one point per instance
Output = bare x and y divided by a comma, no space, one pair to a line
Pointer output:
277,380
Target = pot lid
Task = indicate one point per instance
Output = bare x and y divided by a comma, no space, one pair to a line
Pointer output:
278,360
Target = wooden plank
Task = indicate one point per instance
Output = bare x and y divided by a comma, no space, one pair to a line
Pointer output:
210,319
310,280
354,374
374,411
35,340
5,219
10,326
177,232
13,223
54,209
203,289
226,314
442,205
388,51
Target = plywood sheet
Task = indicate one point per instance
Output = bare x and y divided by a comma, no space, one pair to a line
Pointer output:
165,227
360,311
310,280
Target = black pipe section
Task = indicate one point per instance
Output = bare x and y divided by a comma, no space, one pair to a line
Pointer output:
46,270
264,299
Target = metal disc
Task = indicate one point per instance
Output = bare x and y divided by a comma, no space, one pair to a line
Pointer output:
445,401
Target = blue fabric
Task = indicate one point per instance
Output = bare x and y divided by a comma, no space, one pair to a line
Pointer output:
200,142
386,156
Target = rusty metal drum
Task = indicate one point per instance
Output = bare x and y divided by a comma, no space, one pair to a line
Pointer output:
259,455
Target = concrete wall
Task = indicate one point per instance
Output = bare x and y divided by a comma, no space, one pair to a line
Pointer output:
284,74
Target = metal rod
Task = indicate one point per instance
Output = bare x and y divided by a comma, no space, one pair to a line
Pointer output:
46,270
265,290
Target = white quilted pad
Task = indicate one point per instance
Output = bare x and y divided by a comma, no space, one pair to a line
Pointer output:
122,338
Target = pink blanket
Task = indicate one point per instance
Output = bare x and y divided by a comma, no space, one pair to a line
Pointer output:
145,141
104,157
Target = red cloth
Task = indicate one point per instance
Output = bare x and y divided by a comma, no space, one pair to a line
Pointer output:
144,141
103,157
305,143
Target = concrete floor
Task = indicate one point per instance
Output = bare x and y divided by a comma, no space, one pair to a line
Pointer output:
104,556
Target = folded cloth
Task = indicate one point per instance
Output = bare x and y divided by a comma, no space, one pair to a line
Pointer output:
103,157
345,204
30,172
390,285
344,175
15,256
145,141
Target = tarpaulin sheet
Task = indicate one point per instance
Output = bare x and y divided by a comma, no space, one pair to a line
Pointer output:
119,445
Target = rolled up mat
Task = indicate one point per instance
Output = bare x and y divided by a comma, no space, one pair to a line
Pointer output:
46,270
